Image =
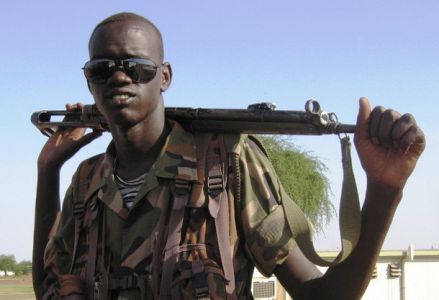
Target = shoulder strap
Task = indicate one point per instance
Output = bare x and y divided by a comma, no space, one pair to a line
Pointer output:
80,189
216,182
180,190
212,171
349,216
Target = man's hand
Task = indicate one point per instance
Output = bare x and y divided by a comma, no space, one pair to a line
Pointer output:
64,143
388,143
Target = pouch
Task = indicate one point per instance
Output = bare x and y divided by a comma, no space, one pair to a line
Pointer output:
198,279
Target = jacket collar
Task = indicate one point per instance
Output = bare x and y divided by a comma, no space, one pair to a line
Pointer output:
177,160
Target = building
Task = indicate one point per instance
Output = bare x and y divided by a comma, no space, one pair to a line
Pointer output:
399,275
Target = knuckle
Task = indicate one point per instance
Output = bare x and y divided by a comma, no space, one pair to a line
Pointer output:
379,108
408,118
392,114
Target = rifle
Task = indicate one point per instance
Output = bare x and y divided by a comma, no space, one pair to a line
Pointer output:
261,118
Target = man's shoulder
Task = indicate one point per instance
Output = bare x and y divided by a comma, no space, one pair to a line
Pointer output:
233,142
87,166
93,160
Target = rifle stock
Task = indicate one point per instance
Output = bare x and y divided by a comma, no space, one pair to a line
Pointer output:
259,118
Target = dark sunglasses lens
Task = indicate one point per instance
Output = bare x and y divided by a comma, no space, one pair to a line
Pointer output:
140,71
98,71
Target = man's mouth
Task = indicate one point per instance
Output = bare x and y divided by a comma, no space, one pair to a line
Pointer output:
121,97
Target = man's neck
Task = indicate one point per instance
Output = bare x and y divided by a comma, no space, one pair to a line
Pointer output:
139,146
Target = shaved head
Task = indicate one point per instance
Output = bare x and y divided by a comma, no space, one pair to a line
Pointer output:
131,17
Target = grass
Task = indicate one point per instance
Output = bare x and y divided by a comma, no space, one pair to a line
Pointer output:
16,288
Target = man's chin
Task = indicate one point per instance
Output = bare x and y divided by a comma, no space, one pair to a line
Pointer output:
124,119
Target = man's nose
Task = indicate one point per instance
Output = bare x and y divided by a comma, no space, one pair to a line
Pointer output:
119,77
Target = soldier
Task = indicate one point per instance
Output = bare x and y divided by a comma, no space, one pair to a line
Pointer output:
145,220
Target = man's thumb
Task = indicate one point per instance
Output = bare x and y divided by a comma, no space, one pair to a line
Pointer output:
363,117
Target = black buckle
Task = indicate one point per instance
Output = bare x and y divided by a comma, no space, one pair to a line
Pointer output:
78,209
215,183
182,187
200,282
123,282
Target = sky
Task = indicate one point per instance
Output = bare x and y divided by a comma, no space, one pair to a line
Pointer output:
228,54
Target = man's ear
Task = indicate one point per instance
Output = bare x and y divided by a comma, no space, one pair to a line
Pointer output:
166,73
88,85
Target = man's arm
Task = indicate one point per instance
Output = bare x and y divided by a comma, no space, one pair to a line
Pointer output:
47,206
389,146
58,149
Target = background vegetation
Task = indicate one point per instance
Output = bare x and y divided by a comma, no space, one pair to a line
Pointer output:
9,264
303,177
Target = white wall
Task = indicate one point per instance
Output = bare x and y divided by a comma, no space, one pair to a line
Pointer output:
422,279
419,278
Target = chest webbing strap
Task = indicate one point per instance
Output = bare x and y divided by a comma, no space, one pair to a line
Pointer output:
219,208
86,218
180,192
80,189
213,158
92,257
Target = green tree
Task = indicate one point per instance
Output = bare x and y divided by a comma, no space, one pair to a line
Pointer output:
303,177
7,263
24,267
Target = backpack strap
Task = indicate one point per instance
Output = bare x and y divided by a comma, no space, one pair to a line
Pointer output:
78,213
81,185
101,279
92,257
180,190
216,182
80,189
212,172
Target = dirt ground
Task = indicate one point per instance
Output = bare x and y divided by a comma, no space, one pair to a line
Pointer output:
27,279
16,288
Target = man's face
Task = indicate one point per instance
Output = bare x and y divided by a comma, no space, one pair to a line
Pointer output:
122,101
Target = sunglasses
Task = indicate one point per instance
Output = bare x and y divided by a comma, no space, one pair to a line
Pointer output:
140,70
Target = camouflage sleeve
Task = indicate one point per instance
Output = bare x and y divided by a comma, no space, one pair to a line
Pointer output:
267,234
57,255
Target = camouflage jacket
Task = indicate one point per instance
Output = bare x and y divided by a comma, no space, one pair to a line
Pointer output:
133,238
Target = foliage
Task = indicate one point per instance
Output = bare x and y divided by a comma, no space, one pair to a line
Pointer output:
9,264
23,268
303,177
